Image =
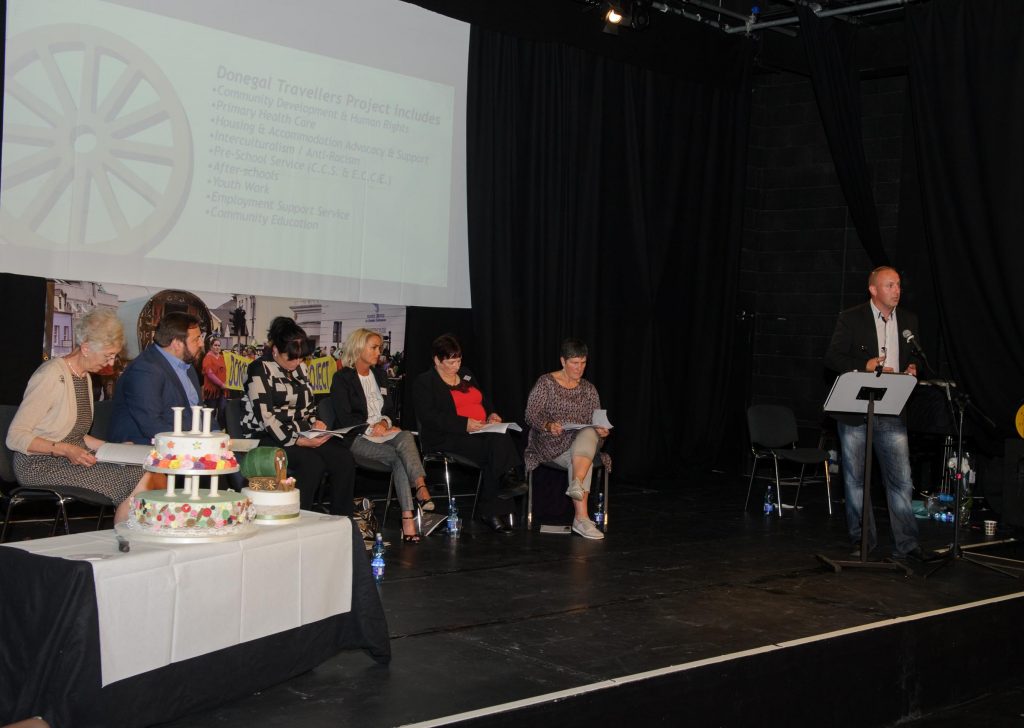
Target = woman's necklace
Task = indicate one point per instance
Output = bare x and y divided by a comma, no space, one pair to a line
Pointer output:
67,360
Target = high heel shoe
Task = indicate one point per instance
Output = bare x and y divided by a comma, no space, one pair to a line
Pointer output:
410,537
425,504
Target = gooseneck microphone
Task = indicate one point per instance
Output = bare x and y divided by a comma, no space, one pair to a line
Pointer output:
908,336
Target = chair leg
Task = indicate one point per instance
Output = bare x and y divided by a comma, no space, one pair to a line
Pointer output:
799,484
778,487
604,473
476,496
387,503
750,485
7,518
448,484
828,487
529,501
99,519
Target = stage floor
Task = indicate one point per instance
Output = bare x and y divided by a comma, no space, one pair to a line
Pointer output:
683,580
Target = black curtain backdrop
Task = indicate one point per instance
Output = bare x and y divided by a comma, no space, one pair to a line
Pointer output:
605,202
829,45
966,76
22,318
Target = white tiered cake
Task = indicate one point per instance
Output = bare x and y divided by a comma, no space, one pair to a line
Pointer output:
191,514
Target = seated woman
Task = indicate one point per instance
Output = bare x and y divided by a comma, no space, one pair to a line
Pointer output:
360,395
49,433
450,406
279,405
561,397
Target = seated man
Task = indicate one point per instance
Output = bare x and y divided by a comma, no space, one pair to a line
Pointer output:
161,377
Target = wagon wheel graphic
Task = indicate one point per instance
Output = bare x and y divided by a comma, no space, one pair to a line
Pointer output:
97,147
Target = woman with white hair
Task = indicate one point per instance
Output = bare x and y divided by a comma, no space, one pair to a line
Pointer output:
50,431
361,395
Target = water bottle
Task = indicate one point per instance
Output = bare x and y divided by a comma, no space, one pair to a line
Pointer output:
599,513
769,500
453,518
377,562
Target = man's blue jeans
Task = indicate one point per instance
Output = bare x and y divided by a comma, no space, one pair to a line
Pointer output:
893,456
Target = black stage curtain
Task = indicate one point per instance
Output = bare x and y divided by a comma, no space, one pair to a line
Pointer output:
828,45
966,75
22,317
605,202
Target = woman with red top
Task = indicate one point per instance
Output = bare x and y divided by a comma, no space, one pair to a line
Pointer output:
450,406
215,374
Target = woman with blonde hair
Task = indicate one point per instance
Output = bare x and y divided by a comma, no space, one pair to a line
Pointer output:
360,394
50,432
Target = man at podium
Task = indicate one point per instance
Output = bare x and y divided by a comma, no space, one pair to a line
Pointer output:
868,337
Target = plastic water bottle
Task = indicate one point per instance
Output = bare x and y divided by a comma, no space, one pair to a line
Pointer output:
769,500
377,562
599,513
453,518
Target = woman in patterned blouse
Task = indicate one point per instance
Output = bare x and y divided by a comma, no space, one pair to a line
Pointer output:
279,406
564,396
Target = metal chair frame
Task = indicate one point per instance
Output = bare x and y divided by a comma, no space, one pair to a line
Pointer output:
773,434
64,494
599,471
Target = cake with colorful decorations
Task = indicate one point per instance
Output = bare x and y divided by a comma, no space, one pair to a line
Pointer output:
191,513
192,453
274,507
178,515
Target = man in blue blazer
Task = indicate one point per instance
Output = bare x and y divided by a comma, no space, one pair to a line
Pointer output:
867,337
161,377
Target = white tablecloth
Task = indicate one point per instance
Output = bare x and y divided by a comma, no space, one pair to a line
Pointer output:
162,603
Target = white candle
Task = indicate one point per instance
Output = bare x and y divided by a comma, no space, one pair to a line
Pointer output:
213,485
207,414
170,478
196,420
177,419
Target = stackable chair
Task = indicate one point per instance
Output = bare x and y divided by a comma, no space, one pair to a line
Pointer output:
599,475
448,459
773,434
325,411
62,494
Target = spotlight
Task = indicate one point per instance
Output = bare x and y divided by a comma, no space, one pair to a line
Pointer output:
613,16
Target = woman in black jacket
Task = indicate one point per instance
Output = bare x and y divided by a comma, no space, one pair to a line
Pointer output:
360,395
451,406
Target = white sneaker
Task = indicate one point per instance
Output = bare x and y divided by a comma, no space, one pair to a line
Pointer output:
575,490
587,529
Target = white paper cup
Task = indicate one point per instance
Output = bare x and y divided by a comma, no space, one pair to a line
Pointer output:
990,528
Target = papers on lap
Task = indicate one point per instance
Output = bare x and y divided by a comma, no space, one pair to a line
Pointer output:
500,427
313,434
600,419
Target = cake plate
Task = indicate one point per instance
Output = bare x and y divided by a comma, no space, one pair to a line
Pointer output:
142,536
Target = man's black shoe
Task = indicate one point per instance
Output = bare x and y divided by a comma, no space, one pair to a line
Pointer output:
511,486
496,524
917,554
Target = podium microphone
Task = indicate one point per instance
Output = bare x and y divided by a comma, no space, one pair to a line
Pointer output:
908,336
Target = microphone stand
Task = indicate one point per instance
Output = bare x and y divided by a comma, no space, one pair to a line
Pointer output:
955,551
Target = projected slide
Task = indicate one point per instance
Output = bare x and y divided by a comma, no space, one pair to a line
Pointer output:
138,147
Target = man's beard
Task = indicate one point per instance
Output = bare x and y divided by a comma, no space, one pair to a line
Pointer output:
187,356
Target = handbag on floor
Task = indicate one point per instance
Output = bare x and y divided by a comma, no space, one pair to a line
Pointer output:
362,516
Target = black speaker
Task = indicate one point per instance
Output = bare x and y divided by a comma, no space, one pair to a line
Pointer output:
1013,483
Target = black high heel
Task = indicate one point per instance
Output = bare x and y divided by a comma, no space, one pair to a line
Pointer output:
426,504
410,537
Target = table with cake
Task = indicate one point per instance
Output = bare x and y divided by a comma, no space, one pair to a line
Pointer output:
202,596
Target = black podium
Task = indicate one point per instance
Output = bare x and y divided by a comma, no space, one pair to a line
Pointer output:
868,394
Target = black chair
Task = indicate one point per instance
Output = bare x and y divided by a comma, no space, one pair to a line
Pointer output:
63,494
773,434
600,474
447,459
325,411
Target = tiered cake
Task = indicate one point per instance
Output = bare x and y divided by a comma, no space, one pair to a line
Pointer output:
270,489
191,513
